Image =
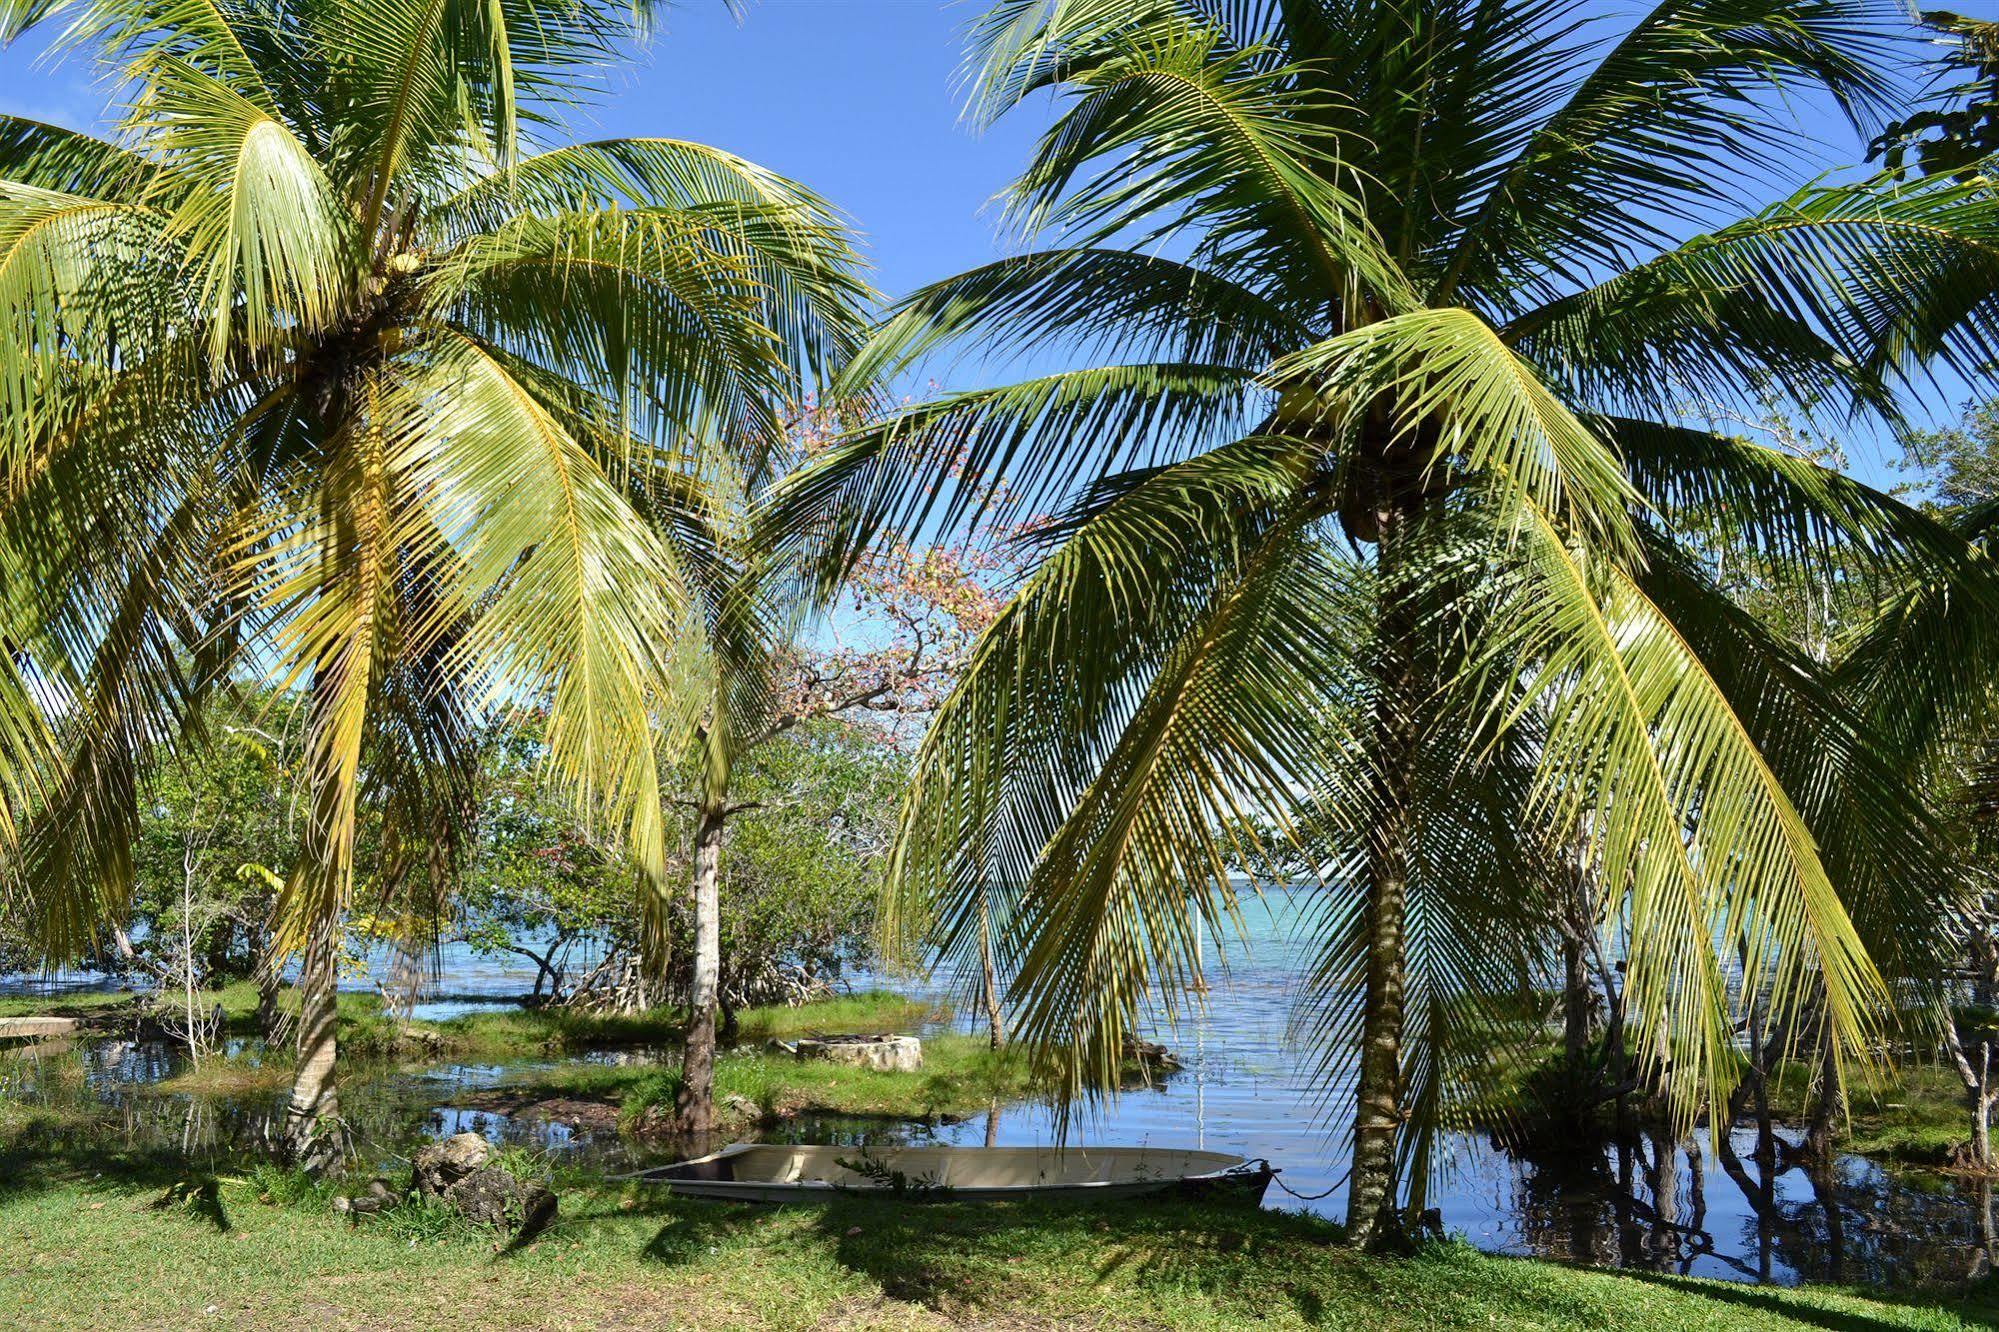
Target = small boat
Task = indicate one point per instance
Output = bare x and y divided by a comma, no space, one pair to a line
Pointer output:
758,1172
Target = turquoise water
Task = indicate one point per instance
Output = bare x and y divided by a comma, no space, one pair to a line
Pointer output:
1244,1088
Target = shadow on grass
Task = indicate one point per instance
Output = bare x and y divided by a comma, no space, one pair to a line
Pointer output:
199,1197
43,1157
48,1159
1250,1265
1977,1304
690,1231
958,1257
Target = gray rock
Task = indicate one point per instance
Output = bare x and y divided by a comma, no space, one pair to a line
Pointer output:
894,1054
436,1167
495,1199
458,1173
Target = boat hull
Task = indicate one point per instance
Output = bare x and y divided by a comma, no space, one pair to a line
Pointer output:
749,1172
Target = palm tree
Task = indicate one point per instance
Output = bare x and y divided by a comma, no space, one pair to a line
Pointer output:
329,367
1371,484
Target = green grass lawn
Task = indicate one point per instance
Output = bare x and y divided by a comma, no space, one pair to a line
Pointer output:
87,1249
516,1032
80,1004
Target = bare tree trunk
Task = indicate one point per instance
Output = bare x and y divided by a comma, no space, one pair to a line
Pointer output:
312,1122
1981,1109
697,1068
1976,1075
197,1046
1378,1094
995,1018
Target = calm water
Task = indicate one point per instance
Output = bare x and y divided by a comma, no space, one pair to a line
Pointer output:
1243,1089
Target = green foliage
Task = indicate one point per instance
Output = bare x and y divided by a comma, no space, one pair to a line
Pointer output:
800,877
217,830
803,867
1958,131
288,1186
657,1090
537,885
961,1075
417,1220
1957,468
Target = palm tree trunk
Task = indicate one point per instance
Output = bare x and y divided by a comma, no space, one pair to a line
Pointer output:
697,1068
312,1119
1829,1106
1378,1092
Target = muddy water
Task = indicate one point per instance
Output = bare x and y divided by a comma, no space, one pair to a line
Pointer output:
1244,1088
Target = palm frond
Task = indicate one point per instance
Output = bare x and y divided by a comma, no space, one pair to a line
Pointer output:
1142,306
1675,117
1015,446
1700,847
578,601
1076,786
1837,290
269,247
1817,523
1178,130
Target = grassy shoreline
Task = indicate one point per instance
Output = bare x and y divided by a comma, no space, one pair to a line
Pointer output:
1915,1117
960,1076
243,1256
754,1086
365,1024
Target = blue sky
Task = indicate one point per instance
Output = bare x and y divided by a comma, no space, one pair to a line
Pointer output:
857,98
